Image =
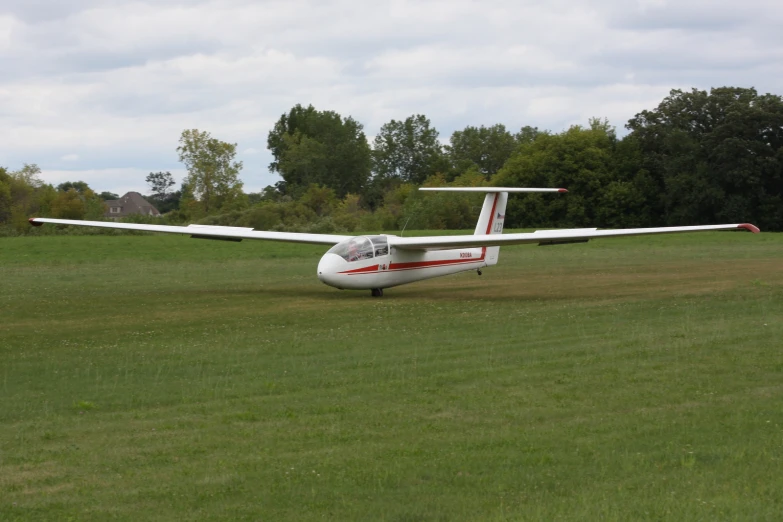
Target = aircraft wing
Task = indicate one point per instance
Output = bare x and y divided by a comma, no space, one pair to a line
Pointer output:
545,237
204,231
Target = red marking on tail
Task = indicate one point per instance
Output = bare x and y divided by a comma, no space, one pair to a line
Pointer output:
492,215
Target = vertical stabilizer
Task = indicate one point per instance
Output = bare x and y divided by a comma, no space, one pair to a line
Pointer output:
493,215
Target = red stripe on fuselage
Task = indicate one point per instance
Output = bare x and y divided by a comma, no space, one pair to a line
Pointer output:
373,268
428,264
414,265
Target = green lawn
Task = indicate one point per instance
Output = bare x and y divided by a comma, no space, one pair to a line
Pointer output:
162,378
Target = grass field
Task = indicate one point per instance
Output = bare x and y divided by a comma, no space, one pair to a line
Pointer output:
162,378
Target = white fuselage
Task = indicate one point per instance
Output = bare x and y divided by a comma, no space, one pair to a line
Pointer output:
399,267
373,262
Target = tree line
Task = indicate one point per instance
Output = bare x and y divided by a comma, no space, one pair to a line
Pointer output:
699,157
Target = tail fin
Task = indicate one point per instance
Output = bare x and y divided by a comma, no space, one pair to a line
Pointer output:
491,219
493,212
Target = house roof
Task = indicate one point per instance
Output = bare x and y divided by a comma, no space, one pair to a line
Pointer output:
132,203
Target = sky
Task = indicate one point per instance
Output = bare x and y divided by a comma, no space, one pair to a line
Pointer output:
100,91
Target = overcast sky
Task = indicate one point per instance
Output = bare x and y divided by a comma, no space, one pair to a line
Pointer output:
101,90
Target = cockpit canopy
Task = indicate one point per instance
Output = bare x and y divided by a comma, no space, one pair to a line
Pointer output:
361,247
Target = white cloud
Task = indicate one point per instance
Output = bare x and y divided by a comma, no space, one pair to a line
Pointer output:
118,81
7,26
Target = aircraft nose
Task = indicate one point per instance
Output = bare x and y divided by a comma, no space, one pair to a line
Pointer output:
328,267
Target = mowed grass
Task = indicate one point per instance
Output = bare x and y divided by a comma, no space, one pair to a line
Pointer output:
161,378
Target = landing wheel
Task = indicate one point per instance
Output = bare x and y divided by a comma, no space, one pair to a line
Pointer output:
478,271
377,292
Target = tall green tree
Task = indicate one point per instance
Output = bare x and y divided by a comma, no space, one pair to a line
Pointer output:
22,195
527,134
715,156
162,196
629,199
5,196
321,200
408,151
488,148
213,172
160,183
79,186
76,200
69,204
579,159
319,147
106,195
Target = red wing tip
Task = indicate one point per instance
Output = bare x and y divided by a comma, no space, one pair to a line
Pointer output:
562,190
750,228
34,223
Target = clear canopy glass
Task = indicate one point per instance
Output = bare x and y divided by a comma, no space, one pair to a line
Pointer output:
359,248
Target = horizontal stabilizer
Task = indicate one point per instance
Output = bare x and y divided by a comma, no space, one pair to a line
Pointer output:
492,189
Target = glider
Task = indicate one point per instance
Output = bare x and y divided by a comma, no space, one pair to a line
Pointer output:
376,262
